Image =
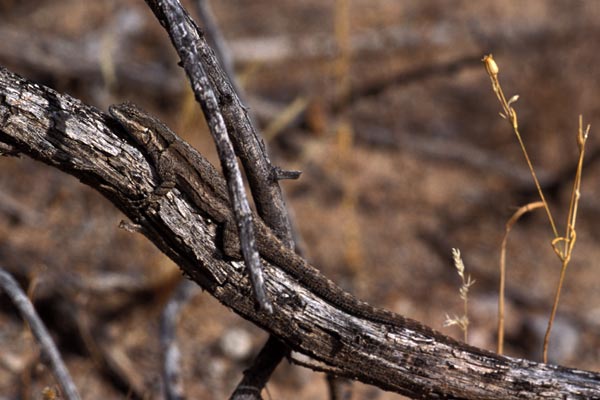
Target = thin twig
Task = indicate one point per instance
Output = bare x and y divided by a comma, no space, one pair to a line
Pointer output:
171,373
216,39
261,369
20,300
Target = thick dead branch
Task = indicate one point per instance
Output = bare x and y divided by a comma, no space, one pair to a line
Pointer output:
406,357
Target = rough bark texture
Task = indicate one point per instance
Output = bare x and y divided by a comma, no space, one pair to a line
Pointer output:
196,57
421,363
248,145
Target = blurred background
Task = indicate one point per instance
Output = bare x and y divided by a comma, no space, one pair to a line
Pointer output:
386,108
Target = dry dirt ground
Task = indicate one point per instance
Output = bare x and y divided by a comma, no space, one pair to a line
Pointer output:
403,156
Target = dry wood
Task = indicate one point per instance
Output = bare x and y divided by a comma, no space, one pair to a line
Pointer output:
181,30
196,57
415,361
249,146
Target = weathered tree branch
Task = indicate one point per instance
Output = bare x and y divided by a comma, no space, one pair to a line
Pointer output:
249,146
217,41
179,25
196,57
409,359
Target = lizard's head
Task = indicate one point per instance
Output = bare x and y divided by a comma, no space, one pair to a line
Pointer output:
139,125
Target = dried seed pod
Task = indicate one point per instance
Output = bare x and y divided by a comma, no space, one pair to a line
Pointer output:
490,65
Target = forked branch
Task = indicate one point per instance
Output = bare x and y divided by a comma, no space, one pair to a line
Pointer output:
408,358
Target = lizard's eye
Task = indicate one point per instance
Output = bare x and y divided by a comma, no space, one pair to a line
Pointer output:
145,136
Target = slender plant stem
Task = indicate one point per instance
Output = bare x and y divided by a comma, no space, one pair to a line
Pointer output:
568,240
570,235
535,179
515,217
554,309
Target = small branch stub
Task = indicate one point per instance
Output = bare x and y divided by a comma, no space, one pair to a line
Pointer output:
281,174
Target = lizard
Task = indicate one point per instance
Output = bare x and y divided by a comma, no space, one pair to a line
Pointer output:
179,165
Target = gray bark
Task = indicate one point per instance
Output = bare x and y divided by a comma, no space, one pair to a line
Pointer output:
414,360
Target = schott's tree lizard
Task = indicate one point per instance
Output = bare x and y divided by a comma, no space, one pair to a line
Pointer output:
179,165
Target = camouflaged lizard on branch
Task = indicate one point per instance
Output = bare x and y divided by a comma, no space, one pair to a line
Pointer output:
179,165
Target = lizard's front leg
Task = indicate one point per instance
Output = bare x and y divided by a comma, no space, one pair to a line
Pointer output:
167,182
231,241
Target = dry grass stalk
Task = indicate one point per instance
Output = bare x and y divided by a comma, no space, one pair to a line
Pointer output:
463,321
342,40
511,115
568,240
285,118
515,217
